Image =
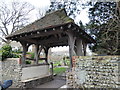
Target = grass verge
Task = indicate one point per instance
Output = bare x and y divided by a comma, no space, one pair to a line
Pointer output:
59,70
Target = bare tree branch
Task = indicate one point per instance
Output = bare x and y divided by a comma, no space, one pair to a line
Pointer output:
14,16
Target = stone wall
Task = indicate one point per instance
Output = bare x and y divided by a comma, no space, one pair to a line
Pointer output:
0,70
0,66
95,72
11,69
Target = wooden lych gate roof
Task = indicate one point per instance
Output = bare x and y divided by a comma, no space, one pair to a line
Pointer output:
50,31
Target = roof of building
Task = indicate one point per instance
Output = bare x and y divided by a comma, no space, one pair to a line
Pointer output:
52,19
56,22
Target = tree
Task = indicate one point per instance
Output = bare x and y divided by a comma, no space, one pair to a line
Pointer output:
40,13
100,14
13,17
105,26
73,7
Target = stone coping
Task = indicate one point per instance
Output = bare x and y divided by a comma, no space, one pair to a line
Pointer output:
11,59
98,56
35,78
25,65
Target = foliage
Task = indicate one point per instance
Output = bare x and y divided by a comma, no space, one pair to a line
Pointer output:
100,12
15,55
28,62
73,7
7,52
104,26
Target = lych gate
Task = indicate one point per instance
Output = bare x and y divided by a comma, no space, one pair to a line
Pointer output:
54,29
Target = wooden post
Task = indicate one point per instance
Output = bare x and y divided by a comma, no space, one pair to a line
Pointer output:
39,51
51,68
79,51
46,54
71,42
25,48
36,53
75,49
84,48
24,55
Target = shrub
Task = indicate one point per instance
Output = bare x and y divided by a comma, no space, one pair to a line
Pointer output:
15,56
28,62
7,52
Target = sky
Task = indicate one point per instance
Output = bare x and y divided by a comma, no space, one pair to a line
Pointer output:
44,5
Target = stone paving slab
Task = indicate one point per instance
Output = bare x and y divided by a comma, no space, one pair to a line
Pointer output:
52,85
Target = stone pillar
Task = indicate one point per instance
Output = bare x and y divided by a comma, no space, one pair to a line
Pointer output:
36,53
79,47
71,42
84,48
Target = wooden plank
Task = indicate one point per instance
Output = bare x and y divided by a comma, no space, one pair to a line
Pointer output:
30,59
42,34
52,40
38,59
28,40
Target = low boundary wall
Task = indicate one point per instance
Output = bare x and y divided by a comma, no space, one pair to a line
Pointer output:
95,72
11,69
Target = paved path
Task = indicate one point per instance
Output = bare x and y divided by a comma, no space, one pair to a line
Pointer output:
54,84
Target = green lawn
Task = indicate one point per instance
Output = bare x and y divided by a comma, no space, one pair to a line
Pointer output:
59,70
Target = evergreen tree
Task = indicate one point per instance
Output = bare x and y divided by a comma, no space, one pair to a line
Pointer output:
105,26
73,7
